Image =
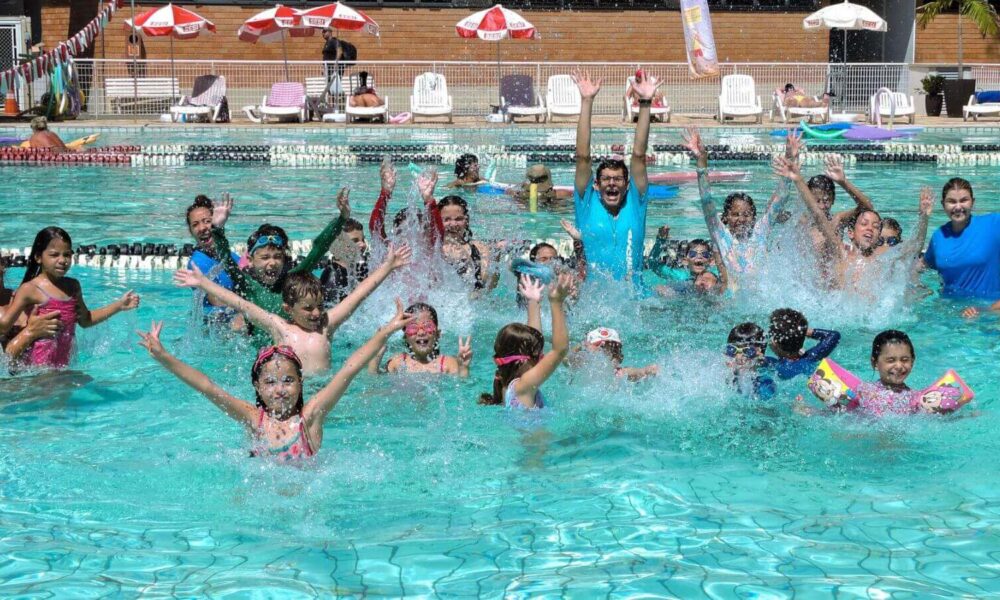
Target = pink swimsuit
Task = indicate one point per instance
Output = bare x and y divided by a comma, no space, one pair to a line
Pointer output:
298,448
877,399
406,365
55,351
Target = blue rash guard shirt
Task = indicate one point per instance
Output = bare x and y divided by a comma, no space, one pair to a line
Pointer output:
787,369
614,244
214,270
969,262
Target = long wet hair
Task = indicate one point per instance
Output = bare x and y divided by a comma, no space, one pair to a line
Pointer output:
42,240
415,309
255,376
461,203
890,336
512,339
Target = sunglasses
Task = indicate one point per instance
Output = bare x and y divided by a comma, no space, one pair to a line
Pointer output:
891,240
427,328
733,351
696,254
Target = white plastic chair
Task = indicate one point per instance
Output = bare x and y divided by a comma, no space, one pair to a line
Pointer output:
430,97
739,98
562,97
631,111
286,100
784,112
975,109
891,105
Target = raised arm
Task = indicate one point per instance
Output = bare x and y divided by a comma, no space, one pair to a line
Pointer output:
88,318
835,171
220,216
232,406
778,201
323,402
435,229
272,323
376,224
588,90
790,170
694,144
579,252
645,87
911,248
529,383
531,290
396,258
321,245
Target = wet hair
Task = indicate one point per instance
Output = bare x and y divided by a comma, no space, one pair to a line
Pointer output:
893,224
399,218
613,350
255,376
463,164
890,336
822,183
533,253
200,201
788,329
708,274
42,240
420,307
957,183
700,242
353,225
265,230
735,197
512,339
460,202
299,286
852,219
614,164
747,334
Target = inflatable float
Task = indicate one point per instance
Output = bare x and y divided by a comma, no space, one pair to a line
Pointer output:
74,145
848,131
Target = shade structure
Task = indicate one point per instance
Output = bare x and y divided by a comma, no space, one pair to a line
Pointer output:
272,25
173,22
493,25
845,15
338,16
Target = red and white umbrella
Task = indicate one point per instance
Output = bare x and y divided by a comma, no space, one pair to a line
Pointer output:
495,24
272,25
339,16
173,22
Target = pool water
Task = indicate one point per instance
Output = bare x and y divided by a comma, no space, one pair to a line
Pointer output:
116,480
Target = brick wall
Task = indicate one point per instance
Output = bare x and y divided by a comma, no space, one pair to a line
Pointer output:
939,43
429,34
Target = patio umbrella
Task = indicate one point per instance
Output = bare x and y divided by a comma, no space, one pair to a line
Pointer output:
274,24
173,22
338,16
495,24
846,16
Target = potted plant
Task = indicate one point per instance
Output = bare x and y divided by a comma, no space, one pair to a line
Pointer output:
933,86
984,16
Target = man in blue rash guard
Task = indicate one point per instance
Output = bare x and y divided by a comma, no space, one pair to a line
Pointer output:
610,208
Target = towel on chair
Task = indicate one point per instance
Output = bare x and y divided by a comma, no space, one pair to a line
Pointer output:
990,96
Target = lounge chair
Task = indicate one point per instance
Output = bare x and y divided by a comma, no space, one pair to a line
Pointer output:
891,105
562,97
363,112
631,111
796,112
430,97
286,100
518,98
982,104
739,98
207,100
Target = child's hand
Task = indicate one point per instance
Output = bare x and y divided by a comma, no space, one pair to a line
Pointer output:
835,169
344,202
564,286
401,319
151,340
971,312
571,229
221,211
588,87
129,300
926,201
465,352
646,86
782,167
663,232
188,278
388,174
426,185
692,141
793,145
530,288
398,256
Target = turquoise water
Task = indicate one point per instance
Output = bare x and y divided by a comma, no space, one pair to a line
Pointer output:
124,482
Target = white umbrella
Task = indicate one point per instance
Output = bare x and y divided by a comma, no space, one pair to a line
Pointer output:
845,16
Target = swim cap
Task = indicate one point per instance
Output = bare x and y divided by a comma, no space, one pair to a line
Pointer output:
602,335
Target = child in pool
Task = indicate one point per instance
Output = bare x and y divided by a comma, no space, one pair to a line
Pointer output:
694,271
608,342
423,355
823,188
787,333
745,349
308,328
45,288
23,334
431,226
518,351
466,172
281,423
893,358
891,234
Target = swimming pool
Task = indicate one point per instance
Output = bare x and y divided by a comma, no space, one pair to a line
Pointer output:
124,482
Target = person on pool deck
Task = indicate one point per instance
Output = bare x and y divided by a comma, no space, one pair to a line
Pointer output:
43,137
794,97
965,251
610,207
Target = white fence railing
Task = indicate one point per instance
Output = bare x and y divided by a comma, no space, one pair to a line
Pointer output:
474,85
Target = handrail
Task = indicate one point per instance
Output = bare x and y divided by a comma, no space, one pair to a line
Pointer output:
878,104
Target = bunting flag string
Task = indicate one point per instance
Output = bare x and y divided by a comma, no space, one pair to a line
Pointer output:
45,63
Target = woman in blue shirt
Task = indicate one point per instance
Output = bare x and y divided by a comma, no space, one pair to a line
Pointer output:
199,222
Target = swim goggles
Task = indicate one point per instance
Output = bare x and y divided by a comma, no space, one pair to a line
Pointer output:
891,240
732,351
268,240
269,351
514,358
428,328
696,254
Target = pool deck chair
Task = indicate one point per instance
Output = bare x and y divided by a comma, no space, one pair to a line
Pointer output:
975,108
518,98
430,97
738,98
562,97
205,102
797,112
631,112
903,107
287,100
